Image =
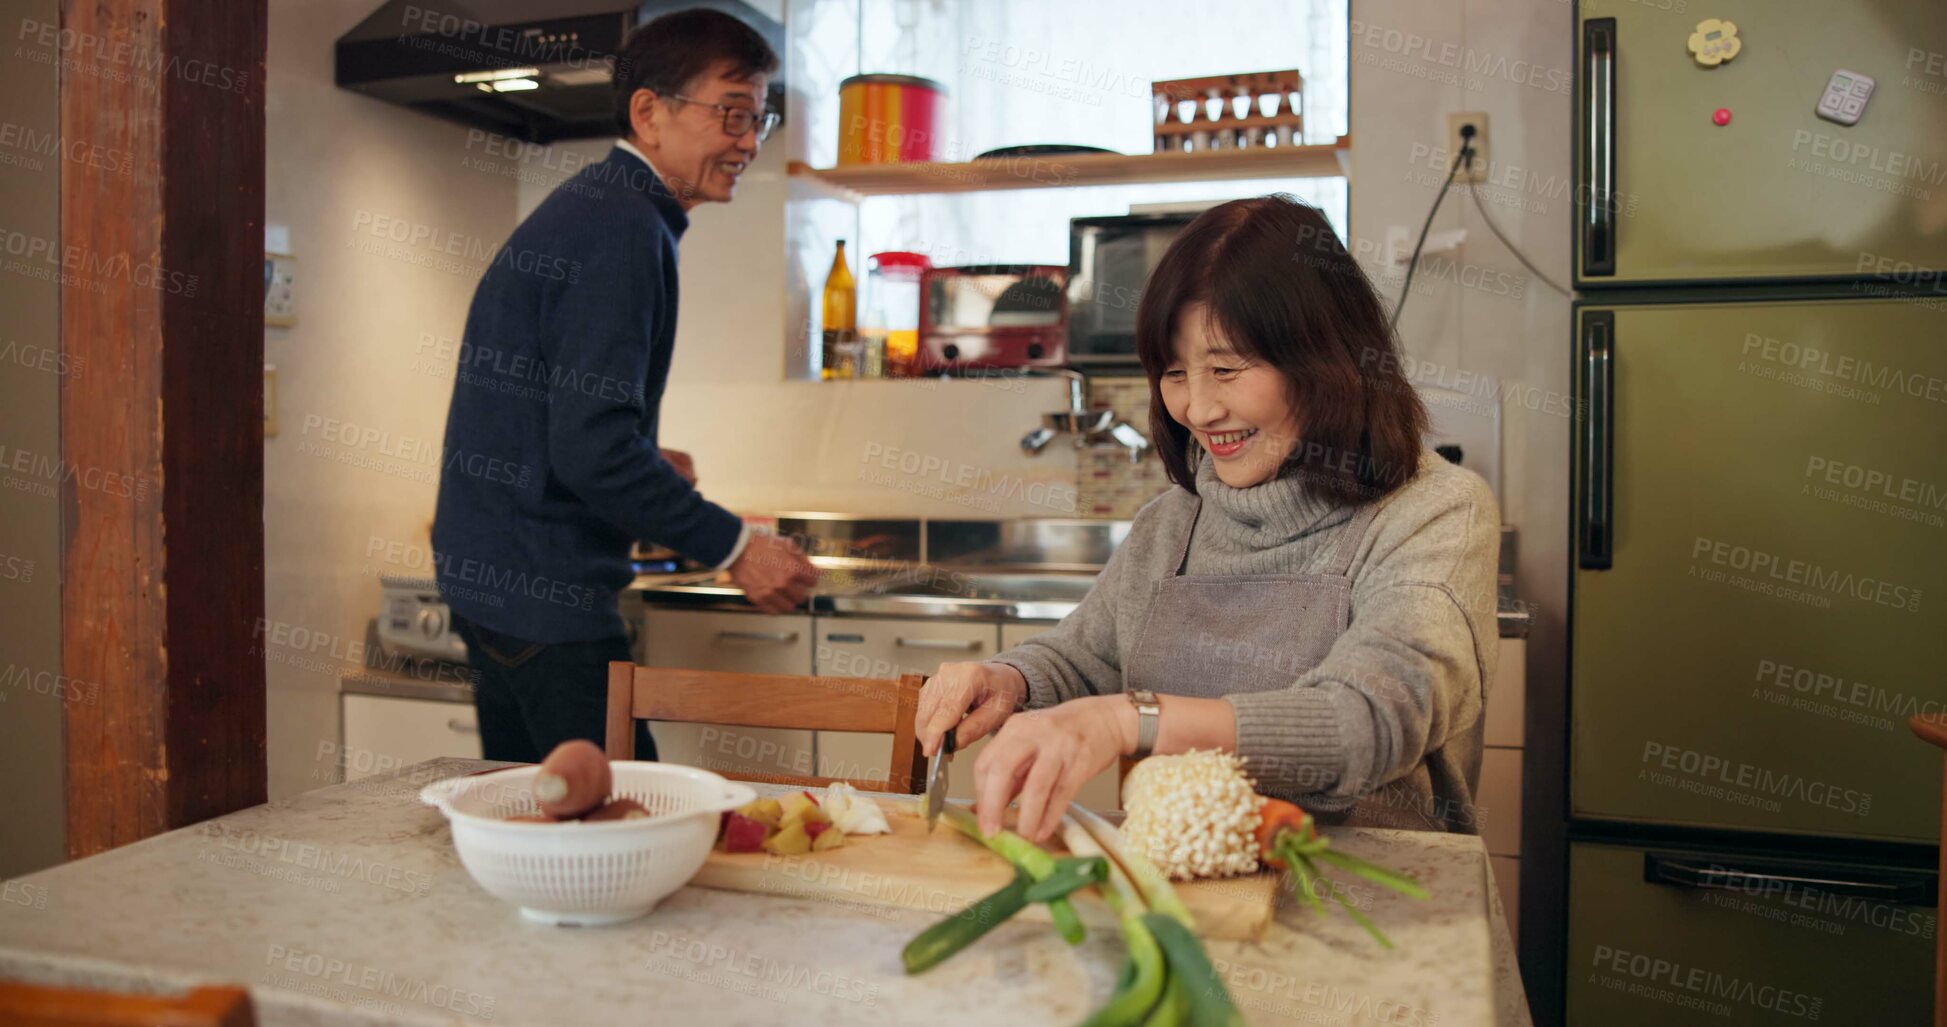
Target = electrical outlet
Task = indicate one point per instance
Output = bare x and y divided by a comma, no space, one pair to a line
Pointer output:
1477,171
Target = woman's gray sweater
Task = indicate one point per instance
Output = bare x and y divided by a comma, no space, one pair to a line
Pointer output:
1387,729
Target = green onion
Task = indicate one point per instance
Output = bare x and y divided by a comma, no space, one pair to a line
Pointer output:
1027,856
1070,874
1144,973
1194,994
1208,1003
1377,874
1174,1008
935,944
1155,887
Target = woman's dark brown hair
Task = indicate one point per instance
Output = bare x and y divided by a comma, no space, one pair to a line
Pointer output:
1278,285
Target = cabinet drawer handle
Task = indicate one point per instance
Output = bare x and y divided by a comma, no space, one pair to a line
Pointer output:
847,638
937,643
1760,877
758,636
461,726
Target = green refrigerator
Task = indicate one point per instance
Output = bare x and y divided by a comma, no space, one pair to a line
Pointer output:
1759,527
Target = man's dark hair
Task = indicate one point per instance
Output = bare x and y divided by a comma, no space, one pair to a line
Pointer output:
666,55
1277,284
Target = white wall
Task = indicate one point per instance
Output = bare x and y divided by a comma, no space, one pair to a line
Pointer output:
1477,314
337,164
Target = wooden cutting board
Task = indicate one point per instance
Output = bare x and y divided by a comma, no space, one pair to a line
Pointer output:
945,871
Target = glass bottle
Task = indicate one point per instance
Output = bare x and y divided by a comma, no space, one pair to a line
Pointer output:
840,347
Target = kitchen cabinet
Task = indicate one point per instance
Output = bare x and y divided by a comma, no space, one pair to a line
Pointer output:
383,733
1504,722
749,643
864,647
1498,802
1014,634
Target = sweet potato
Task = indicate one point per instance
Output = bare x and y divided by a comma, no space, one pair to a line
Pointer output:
791,841
573,779
743,834
619,809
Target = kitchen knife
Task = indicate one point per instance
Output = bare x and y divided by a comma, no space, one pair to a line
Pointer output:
936,781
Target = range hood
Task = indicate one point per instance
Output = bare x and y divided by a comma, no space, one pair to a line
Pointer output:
536,70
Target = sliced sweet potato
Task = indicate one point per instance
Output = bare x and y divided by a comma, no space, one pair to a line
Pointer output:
795,805
765,811
790,841
742,834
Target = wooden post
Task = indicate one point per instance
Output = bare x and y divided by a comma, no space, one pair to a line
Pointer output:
161,451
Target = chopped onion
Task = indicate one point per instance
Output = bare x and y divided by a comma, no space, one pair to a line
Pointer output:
853,813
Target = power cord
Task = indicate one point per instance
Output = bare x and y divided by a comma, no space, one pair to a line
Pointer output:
1466,155
1496,229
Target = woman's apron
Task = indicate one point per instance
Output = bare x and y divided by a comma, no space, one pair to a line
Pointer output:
1213,635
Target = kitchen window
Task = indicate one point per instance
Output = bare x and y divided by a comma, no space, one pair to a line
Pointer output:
1023,72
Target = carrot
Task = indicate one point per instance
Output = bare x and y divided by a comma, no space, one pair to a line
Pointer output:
1287,834
1275,819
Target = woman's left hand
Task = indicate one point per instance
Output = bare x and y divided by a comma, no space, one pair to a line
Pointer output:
1045,756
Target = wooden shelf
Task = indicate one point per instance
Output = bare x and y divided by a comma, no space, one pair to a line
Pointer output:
861,180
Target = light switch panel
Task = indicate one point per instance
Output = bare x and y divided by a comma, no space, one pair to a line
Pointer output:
280,290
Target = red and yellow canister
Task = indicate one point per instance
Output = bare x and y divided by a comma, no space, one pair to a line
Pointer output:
889,119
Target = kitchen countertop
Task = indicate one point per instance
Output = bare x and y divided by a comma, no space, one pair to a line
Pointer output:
1513,617
348,905
444,682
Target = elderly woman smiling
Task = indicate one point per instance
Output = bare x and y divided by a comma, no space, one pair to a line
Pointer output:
1316,592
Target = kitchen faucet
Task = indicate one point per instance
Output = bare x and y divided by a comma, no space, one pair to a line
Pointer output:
1090,425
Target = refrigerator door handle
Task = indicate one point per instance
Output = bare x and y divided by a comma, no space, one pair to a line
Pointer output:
1596,500
1757,879
1598,147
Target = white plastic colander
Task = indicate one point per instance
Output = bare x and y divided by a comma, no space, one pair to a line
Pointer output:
586,873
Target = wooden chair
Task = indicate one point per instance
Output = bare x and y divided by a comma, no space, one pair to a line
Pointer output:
1932,727
35,1005
877,705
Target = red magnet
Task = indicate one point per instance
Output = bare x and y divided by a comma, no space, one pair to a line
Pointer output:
1722,117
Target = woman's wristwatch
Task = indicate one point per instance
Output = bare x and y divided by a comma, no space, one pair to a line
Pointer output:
1147,712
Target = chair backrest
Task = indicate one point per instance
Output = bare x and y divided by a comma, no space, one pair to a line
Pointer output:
35,1005
875,705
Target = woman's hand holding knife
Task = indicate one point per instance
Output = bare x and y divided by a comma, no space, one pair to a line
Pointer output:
1043,756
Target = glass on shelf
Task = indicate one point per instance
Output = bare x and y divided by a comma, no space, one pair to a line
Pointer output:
889,320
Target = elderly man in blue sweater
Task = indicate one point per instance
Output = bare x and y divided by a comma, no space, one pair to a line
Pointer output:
555,403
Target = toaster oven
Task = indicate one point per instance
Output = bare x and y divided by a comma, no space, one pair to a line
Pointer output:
993,316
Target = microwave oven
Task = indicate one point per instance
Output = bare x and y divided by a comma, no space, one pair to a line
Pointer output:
1109,260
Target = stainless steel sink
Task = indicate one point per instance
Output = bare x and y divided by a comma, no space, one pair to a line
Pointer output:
941,591
925,591
942,583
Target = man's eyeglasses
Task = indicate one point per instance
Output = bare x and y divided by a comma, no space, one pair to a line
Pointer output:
738,120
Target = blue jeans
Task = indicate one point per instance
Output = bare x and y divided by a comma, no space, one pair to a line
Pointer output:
532,697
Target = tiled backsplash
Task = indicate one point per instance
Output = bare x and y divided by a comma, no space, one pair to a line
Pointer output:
1110,485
